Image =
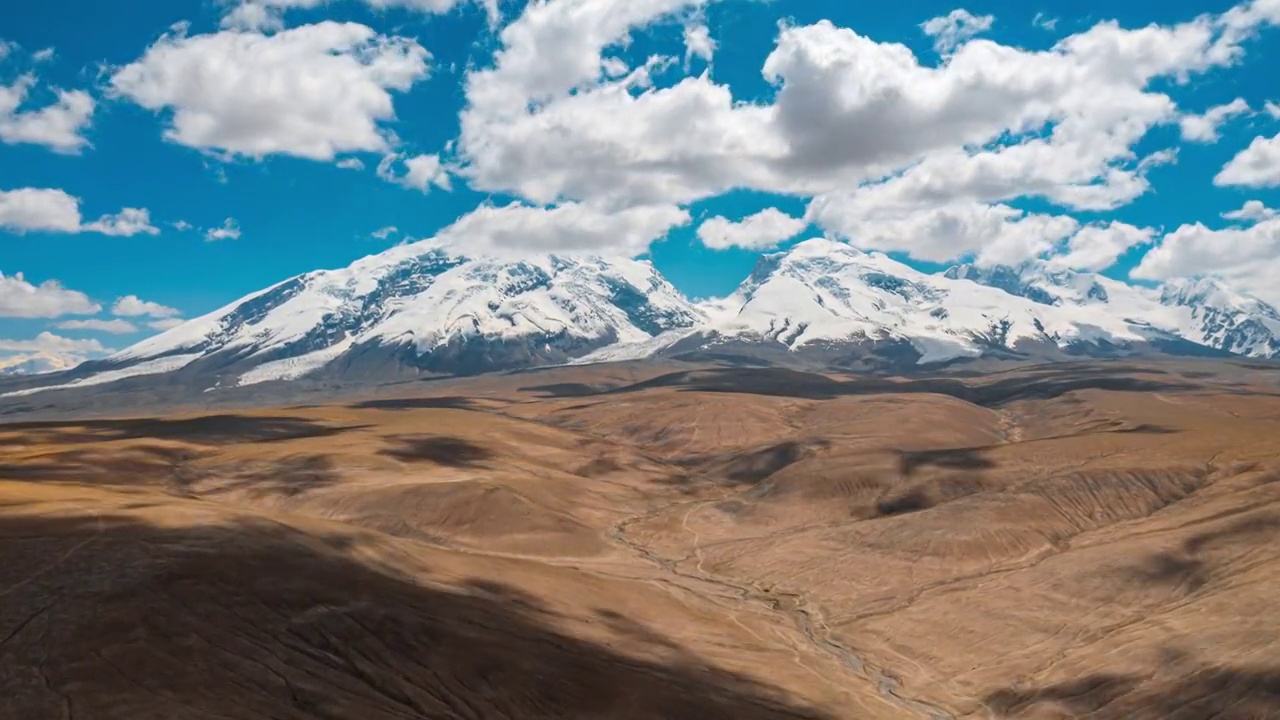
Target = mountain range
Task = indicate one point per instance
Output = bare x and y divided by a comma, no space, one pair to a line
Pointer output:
423,309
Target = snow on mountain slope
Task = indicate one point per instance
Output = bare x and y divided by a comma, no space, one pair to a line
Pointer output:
35,364
823,292
1202,311
421,308
1225,319
437,310
156,366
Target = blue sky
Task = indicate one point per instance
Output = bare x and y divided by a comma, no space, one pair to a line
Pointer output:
295,209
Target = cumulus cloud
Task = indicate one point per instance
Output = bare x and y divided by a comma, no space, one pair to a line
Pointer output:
557,119
385,232
1256,166
1272,109
761,231
351,164
59,125
48,342
269,14
989,234
311,91
570,228
951,29
38,209
1248,256
134,306
421,172
128,222
229,230
1203,128
22,299
47,352
698,43
1097,247
50,210
1252,211
167,324
117,326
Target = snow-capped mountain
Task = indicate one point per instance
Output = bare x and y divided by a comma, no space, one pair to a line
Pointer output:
418,308
1225,319
422,308
822,294
1202,311
34,364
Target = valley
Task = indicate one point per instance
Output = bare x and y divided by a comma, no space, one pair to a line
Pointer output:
653,540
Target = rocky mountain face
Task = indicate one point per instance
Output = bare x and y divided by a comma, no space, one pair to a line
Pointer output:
420,308
1202,311
413,309
1225,319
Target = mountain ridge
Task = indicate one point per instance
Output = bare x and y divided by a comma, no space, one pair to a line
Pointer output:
424,309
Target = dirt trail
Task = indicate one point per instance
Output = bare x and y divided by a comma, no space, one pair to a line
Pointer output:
796,607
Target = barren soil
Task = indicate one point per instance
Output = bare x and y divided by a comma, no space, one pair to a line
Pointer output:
1077,541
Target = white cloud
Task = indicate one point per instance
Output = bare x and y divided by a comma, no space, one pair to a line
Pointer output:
128,222
1167,156
48,342
21,299
351,164
58,126
45,55
698,43
47,352
167,324
761,231
1252,211
1272,109
182,226
311,91
1204,128
1044,21
230,230
948,31
49,210
6,47
269,14
1097,247
36,209
1247,256
134,306
571,228
420,172
554,47
555,120
991,234
41,362
117,326
1256,166
385,232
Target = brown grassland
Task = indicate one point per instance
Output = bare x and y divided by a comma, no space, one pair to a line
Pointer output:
1081,541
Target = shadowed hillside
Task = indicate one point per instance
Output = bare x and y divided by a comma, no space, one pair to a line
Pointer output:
1073,541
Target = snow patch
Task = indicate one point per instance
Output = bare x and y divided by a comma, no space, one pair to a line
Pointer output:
292,368
147,367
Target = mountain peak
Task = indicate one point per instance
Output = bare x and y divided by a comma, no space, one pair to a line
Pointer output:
424,307
820,247
429,307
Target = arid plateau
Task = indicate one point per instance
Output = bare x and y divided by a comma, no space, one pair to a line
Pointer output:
1075,540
